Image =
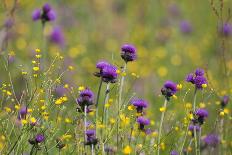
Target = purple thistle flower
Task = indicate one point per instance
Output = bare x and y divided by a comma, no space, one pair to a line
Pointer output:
101,64
39,138
199,72
198,78
173,152
36,14
169,89
46,7
22,113
199,81
224,101
191,127
128,52
185,27
85,98
57,36
139,104
51,15
190,78
142,122
109,74
226,30
202,114
212,140
91,137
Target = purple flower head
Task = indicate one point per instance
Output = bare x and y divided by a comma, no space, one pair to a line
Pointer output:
102,64
173,152
139,104
46,7
169,89
51,15
9,23
39,138
190,78
212,140
224,101
91,137
199,72
199,81
57,36
90,133
226,30
36,14
85,98
109,74
185,27
202,114
23,111
198,78
191,127
142,122
128,52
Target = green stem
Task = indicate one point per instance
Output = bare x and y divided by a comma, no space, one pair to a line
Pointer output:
161,124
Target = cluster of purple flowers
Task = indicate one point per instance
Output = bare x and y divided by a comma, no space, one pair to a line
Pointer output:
86,98
45,14
107,72
169,89
198,78
91,137
128,52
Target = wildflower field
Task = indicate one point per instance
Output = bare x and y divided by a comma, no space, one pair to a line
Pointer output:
112,77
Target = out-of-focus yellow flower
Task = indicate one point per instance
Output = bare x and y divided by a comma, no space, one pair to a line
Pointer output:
24,73
33,120
162,71
8,93
162,109
112,121
226,111
17,107
204,85
188,105
222,113
154,134
67,120
37,50
127,150
202,105
66,86
80,88
179,86
7,109
130,107
162,146
174,96
36,69
71,68
24,121
124,119
66,136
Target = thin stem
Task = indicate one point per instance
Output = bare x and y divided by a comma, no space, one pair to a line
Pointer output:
97,101
186,132
195,140
85,121
199,141
120,100
194,100
92,149
161,124
194,110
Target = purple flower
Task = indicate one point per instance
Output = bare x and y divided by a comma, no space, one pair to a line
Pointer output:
46,7
169,89
190,78
39,138
173,152
191,127
185,27
224,101
109,74
9,23
226,30
85,98
128,52
212,140
46,14
101,64
142,122
198,78
36,14
57,36
139,104
202,114
91,137
22,113
199,72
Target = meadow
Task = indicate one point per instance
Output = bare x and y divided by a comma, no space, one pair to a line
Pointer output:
107,77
